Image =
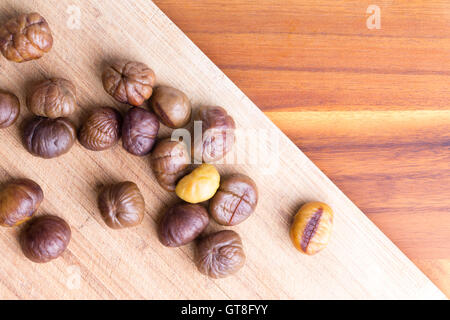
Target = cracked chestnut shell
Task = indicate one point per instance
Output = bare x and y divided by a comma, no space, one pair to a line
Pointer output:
25,37
235,200
172,106
121,205
49,138
101,130
19,200
181,224
45,238
217,134
129,82
170,162
220,254
9,109
53,98
139,130
311,229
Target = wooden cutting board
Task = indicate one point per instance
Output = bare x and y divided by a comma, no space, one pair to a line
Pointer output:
360,262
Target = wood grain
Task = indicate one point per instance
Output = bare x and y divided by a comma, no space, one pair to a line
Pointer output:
360,261
369,107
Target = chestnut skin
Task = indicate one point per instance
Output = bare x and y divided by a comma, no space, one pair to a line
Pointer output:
19,200
45,238
217,134
9,109
52,98
121,205
49,138
101,130
172,106
139,130
25,37
220,254
181,224
170,162
129,82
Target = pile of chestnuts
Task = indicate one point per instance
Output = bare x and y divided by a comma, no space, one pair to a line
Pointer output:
204,194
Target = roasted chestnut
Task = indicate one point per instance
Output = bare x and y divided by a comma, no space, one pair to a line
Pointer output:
235,200
181,224
53,98
101,130
121,205
9,109
220,254
171,106
19,200
217,137
139,130
200,185
170,161
129,82
49,138
25,38
45,238
311,228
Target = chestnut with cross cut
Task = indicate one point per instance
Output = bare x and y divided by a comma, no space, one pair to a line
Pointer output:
235,200
311,229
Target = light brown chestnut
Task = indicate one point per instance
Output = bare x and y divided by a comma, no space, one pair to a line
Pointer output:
129,82
235,200
121,205
9,109
52,98
220,254
181,224
170,162
45,238
19,200
25,38
171,106
217,137
101,130
49,138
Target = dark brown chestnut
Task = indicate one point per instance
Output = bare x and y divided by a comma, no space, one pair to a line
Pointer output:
139,130
121,205
19,200
170,162
181,224
129,82
9,109
235,200
53,98
171,106
101,130
25,37
45,238
217,137
49,138
220,254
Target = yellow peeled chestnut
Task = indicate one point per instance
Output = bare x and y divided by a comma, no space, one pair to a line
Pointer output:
200,185
311,229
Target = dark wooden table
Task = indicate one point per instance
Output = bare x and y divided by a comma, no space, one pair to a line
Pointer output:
371,107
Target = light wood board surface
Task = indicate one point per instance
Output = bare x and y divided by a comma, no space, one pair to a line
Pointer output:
360,261
370,107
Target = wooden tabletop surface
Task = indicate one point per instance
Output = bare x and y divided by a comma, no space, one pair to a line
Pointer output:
370,106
